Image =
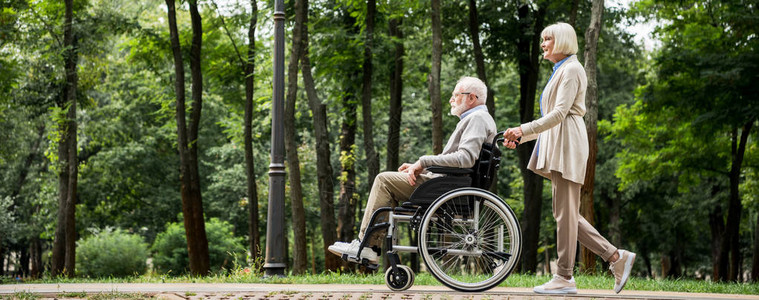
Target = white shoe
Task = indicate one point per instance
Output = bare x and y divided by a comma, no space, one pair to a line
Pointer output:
351,249
557,285
621,269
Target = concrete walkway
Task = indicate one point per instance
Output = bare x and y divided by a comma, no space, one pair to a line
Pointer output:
320,292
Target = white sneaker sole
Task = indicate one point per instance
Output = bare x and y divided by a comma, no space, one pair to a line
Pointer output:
355,259
626,274
561,291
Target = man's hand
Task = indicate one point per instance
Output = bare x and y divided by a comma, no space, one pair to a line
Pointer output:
510,144
413,170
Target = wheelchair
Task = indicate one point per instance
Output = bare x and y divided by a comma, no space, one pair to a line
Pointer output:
468,237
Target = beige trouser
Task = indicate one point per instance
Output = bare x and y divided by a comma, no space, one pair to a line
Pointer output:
389,189
572,227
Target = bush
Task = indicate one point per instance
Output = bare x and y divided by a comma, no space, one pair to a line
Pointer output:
111,253
170,248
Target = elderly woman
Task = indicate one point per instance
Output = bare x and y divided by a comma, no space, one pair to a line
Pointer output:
561,154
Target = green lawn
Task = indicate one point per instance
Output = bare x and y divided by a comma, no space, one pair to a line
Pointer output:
515,280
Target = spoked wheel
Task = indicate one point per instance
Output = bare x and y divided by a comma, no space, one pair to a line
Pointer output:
402,281
470,240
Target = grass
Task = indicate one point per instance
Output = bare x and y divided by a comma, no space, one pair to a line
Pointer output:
515,280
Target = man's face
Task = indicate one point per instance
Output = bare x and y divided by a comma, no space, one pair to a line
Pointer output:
458,101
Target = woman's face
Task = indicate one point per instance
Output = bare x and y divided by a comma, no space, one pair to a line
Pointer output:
548,53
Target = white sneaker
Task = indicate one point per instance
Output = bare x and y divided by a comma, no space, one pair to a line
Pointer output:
351,249
557,285
621,269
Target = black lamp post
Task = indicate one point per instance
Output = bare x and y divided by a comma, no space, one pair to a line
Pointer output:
275,230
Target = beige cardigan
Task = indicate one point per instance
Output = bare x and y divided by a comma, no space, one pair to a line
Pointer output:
562,138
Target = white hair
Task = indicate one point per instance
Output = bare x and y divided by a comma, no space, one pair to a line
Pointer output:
475,86
564,38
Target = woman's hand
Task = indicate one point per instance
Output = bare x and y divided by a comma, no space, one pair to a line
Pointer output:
511,137
513,134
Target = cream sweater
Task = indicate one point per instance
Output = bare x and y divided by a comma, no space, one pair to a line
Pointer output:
465,142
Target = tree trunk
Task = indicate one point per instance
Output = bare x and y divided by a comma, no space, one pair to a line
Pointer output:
717,227
479,57
324,168
192,203
35,251
248,69
250,166
529,58
64,245
646,255
588,258
346,220
735,207
291,147
59,242
573,13
436,105
372,158
396,92
755,260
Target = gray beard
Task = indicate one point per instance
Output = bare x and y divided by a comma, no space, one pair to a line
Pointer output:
458,110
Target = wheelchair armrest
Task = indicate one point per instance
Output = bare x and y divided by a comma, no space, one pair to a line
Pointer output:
450,170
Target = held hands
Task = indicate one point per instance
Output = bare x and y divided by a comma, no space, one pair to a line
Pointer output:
511,136
412,170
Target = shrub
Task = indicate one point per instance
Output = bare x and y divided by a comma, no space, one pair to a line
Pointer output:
111,253
170,248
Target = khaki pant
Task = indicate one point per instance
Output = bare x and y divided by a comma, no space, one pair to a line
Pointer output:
571,227
389,190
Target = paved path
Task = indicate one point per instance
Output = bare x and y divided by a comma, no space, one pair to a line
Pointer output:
321,292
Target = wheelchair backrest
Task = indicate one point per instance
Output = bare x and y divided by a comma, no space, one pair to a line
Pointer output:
486,166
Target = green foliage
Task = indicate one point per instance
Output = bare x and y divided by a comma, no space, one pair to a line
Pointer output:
6,220
170,248
113,253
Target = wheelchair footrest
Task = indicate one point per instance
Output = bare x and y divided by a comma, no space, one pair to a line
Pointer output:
362,261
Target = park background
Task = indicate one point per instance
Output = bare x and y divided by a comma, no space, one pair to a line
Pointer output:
106,155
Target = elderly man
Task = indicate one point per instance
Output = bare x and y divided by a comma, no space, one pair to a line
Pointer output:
474,128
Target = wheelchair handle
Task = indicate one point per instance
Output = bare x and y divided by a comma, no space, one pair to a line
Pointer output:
499,138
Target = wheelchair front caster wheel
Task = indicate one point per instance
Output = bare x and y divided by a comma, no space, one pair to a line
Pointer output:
401,281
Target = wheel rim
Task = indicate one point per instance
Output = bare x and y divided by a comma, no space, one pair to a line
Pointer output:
398,282
470,248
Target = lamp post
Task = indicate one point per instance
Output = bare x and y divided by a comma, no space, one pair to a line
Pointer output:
275,230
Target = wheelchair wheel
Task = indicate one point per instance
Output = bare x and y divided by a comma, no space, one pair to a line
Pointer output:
399,282
470,240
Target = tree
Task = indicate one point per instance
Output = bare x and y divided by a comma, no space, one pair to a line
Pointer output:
291,147
192,204
396,95
324,167
591,124
64,246
250,170
372,157
248,68
479,57
434,81
706,71
347,201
